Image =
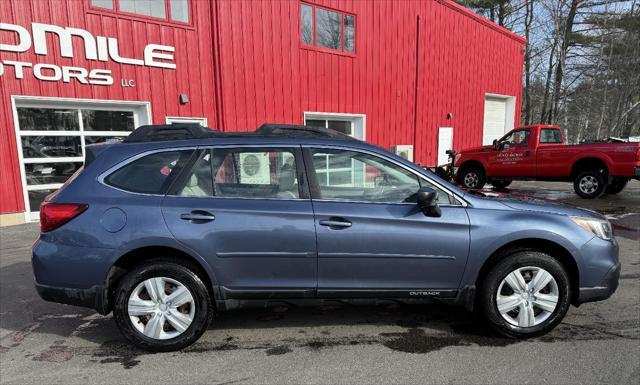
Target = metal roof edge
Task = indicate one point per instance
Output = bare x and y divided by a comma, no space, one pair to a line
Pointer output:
486,22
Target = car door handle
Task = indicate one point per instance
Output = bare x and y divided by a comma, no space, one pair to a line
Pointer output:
198,216
335,223
527,153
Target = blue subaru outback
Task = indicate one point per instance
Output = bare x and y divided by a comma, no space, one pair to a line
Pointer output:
179,222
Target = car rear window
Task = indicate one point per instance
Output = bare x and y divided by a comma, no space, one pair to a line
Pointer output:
150,174
550,136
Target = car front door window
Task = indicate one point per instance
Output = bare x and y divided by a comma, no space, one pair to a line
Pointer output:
355,176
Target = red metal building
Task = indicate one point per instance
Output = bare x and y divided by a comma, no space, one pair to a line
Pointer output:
417,76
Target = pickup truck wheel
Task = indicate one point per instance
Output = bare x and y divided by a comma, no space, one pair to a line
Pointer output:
161,306
472,177
617,185
500,184
525,295
589,184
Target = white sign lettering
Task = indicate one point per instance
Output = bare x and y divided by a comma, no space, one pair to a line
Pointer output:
98,48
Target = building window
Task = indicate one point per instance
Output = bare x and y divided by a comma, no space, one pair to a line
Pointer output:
181,119
350,124
170,10
327,29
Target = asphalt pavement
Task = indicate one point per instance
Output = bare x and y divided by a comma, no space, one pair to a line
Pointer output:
336,343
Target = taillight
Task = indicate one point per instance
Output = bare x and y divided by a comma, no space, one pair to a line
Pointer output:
54,215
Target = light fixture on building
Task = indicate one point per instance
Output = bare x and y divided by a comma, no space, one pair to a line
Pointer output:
184,98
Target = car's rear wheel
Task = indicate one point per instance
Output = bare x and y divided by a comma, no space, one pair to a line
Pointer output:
617,185
589,184
162,306
500,184
472,177
525,295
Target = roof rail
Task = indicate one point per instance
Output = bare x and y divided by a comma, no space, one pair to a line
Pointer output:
185,131
173,131
298,131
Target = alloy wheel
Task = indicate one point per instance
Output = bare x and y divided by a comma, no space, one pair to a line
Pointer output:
471,179
588,184
161,308
527,296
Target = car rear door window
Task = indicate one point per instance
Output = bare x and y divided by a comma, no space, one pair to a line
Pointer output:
150,174
255,173
199,181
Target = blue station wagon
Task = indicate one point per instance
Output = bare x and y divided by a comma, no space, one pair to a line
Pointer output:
179,222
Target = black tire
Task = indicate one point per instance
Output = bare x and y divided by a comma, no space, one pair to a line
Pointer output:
617,185
590,184
204,309
500,184
472,177
487,303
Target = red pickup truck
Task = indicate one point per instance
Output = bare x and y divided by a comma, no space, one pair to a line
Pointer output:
540,153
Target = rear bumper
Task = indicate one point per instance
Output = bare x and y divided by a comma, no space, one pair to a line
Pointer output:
603,290
93,297
72,275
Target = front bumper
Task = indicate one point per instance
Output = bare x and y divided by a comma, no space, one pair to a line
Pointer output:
93,297
603,290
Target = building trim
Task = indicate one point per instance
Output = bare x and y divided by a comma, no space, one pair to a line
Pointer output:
482,20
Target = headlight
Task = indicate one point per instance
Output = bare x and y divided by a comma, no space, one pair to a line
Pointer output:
598,227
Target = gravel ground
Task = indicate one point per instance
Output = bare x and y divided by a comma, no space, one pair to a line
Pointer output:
44,342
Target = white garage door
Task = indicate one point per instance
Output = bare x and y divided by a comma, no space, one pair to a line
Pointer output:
52,134
495,119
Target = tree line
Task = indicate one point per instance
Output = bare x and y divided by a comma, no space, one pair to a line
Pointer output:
581,63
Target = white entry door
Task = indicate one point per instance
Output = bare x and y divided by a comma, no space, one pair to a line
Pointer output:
445,142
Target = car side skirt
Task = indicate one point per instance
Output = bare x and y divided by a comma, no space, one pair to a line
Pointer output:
228,293
229,299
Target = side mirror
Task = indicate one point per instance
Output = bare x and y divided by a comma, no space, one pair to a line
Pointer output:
495,144
427,199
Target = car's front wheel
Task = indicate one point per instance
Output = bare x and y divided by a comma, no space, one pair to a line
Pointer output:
525,295
162,306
